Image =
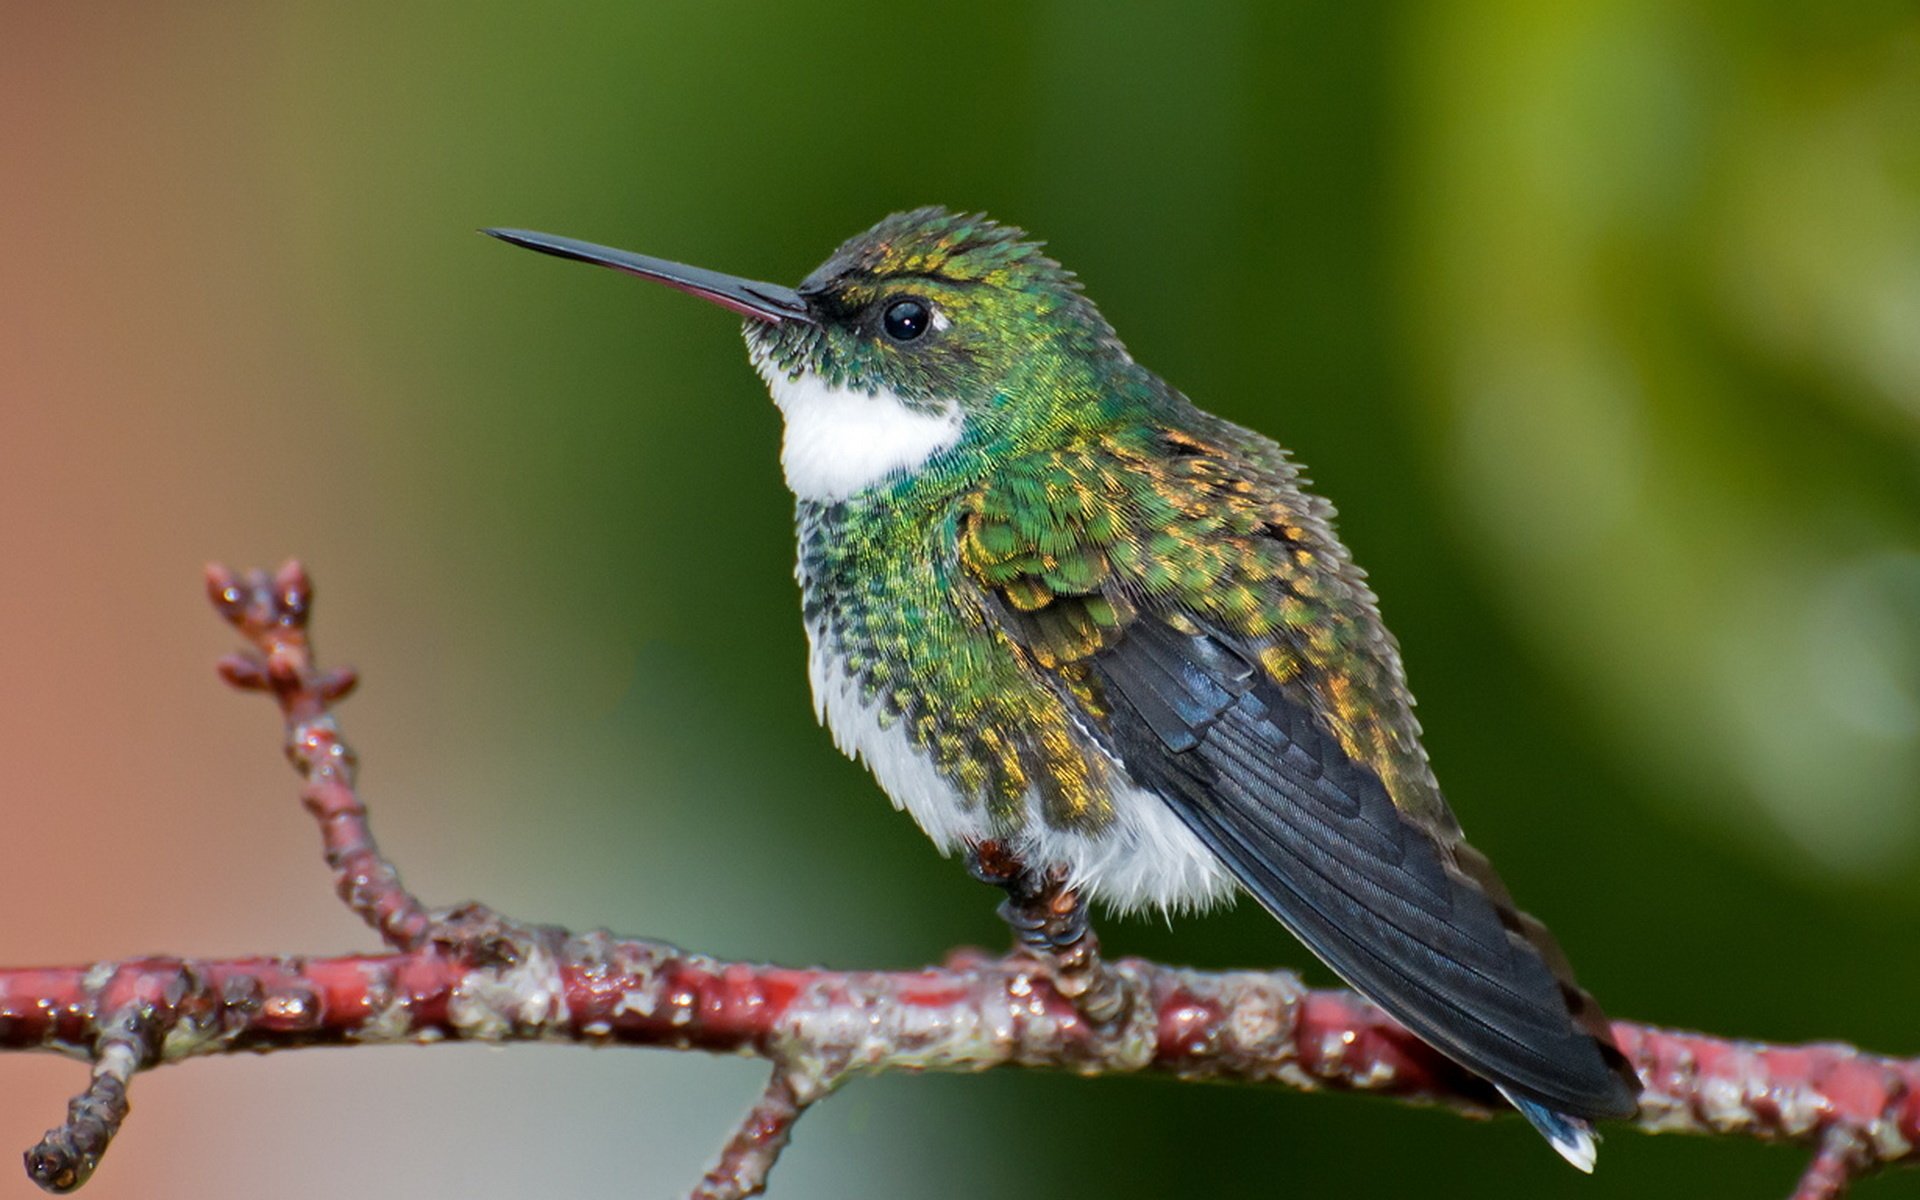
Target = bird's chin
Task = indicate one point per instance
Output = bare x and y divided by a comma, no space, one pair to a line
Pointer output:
840,441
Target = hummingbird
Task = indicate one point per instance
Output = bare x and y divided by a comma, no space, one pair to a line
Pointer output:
1058,609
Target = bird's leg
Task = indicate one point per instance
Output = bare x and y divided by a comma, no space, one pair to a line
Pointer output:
1049,921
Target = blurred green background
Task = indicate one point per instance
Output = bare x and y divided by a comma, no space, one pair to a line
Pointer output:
1599,320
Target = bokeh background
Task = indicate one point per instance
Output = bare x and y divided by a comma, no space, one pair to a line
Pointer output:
1600,321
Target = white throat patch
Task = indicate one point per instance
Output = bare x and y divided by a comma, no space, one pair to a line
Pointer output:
839,442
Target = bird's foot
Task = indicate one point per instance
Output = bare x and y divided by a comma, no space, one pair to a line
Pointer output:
1049,920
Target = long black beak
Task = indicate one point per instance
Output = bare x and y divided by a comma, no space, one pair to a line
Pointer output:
750,298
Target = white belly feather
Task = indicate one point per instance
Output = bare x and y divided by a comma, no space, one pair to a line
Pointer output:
1145,859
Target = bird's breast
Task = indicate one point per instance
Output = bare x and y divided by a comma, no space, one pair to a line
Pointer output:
1138,855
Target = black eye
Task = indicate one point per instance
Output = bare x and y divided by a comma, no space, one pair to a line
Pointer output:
906,320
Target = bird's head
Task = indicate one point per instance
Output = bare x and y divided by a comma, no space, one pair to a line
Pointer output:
930,332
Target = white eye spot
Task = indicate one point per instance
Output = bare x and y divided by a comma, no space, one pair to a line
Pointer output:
941,321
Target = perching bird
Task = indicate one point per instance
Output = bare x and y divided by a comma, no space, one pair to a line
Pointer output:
1057,608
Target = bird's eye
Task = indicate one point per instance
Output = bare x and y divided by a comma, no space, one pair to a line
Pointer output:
906,320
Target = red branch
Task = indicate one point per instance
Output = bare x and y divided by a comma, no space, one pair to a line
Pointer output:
467,974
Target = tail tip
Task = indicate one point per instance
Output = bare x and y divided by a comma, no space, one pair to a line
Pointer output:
1571,1137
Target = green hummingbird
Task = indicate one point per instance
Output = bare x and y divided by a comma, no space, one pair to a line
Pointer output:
1057,608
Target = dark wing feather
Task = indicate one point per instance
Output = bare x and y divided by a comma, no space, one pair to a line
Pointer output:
1318,840
1192,605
